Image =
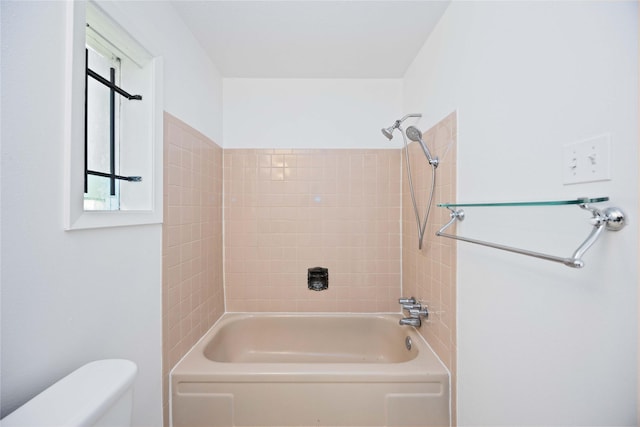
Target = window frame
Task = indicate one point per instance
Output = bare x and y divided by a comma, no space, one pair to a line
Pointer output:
75,216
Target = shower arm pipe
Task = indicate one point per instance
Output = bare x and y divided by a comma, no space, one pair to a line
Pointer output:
610,218
411,115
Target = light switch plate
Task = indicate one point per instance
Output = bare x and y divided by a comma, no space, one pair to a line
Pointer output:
587,161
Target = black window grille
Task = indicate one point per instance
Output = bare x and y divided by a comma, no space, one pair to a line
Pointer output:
113,89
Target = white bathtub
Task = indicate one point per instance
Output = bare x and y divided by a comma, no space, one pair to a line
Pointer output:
310,370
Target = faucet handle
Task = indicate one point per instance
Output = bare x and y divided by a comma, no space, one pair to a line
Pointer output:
410,300
411,306
419,312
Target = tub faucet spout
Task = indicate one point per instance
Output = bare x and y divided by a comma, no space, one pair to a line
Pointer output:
411,321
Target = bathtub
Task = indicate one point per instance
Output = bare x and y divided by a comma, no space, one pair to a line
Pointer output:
310,370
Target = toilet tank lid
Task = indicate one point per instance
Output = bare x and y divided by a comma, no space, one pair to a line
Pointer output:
80,398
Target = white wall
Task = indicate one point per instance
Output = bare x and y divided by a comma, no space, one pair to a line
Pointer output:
193,84
310,113
539,343
71,297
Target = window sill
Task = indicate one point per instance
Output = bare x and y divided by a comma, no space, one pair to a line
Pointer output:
104,219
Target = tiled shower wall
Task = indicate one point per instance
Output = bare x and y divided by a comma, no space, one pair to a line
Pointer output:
429,274
192,275
288,210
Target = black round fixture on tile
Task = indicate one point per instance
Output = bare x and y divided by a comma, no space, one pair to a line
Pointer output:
318,278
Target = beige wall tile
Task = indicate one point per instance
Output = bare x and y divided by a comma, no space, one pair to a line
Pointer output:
288,210
430,274
193,296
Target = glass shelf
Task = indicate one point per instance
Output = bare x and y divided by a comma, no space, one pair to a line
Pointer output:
578,201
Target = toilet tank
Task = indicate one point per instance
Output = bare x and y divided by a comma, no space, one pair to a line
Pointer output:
99,393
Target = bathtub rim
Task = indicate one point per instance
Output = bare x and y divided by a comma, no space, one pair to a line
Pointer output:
356,340
321,372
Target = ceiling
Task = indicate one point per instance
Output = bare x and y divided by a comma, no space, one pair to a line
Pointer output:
311,38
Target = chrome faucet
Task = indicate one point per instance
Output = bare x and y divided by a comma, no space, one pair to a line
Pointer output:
416,312
410,300
411,321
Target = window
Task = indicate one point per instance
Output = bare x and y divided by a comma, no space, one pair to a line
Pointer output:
103,109
114,129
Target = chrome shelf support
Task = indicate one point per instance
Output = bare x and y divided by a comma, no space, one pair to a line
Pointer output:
610,218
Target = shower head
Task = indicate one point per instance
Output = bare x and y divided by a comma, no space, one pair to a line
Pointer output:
414,134
388,132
